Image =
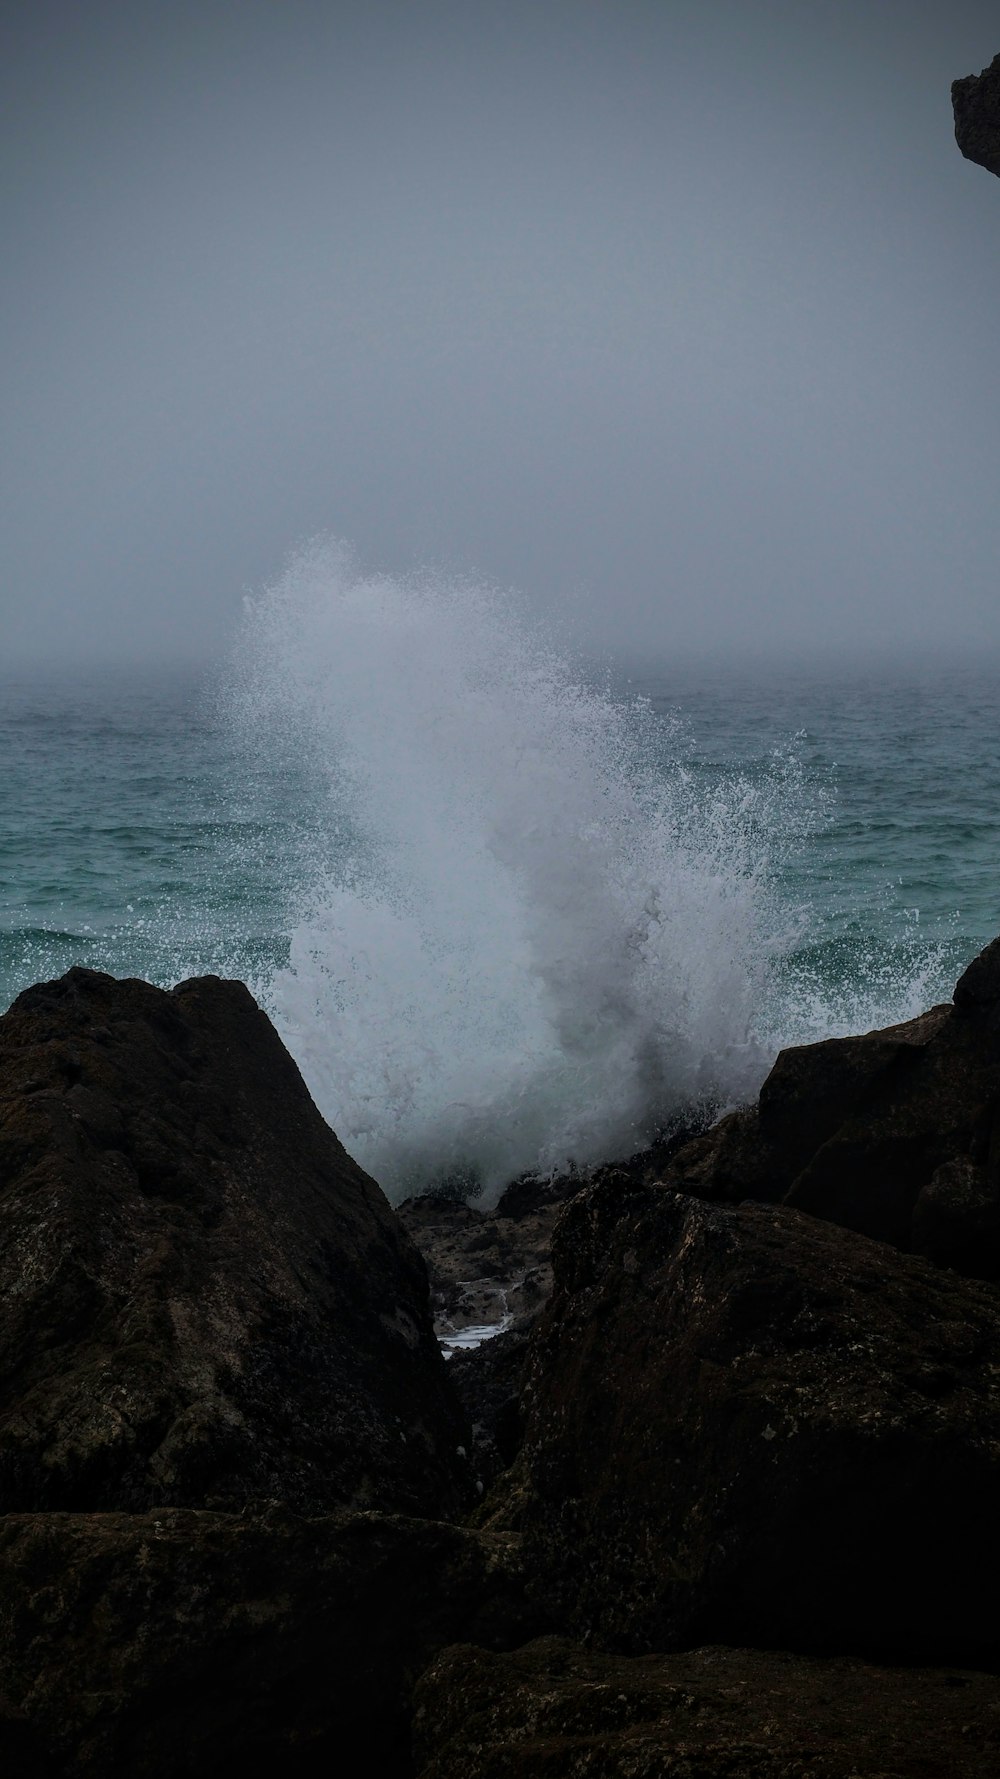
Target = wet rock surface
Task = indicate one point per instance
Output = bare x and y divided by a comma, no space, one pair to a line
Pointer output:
751,1427
203,1300
198,1643
490,1269
895,1134
553,1710
490,1275
489,1380
976,104
487,1269
706,1422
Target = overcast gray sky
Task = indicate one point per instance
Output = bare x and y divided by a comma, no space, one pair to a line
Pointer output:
681,315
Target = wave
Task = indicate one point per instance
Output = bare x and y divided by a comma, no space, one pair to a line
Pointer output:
524,933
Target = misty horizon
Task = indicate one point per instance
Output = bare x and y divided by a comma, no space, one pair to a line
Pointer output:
678,320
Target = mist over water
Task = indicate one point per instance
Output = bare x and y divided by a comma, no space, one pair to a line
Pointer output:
524,933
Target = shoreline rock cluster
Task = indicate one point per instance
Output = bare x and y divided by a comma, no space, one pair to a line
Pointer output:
720,1500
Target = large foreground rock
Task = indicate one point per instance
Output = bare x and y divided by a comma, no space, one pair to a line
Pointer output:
555,1711
895,1134
976,104
751,1427
148,1646
203,1300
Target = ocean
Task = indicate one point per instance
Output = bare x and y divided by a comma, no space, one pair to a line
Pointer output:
510,909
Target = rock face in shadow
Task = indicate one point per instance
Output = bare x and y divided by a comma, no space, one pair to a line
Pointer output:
488,1381
895,1134
748,1426
201,1643
203,1300
976,104
489,1271
228,1440
485,1268
556,1711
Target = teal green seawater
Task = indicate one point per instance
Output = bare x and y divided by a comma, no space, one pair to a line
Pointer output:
159,826
900,775
133,837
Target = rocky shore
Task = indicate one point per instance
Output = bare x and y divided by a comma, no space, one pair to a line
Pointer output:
715,1494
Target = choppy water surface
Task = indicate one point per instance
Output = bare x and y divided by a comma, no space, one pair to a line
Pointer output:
503,915
133,836
898,872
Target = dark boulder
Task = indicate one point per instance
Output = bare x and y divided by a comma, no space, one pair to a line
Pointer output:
145,1646
485,1267
812,1090
488,1380
492,1270
976,104
749,1426
895,1134
555,1711
491,1276
977,991
203,1300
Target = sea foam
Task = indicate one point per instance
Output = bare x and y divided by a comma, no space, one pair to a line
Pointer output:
524,935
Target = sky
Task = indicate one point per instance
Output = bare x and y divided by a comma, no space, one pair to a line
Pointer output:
678,315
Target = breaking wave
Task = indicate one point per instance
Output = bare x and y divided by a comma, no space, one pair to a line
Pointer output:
524,934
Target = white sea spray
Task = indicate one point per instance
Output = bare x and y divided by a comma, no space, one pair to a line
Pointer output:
524,934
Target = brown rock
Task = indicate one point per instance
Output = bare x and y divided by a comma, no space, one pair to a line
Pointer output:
493,1265
749,1426
555,1711
491,1275
876,1132
488,1380
978,988
485,1267
812,1090
203,1300
976,104
147,1646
